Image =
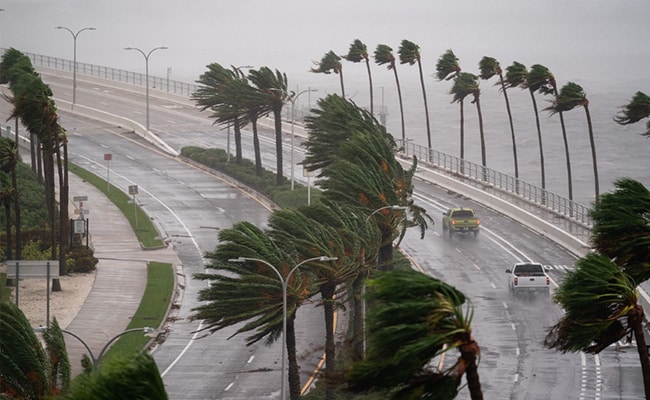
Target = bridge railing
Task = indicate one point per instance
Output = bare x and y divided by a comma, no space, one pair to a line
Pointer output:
492,180
114,74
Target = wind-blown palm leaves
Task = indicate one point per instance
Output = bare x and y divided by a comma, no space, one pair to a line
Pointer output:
417,318
359,52
331,62
490,67
384,56
621,228
571,96
466,84
409,53
274,87
637,109
601,307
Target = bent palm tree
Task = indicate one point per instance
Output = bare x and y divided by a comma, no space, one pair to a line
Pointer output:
384,55
490,67
409,53
571,96
417,318
359,52
634,111
601,307
467,84
331,62
447,68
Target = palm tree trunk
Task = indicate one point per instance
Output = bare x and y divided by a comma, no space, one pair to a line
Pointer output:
401,106
62,163
256,148
14,185
7,204
482,134
238,149
294,371
327,294
426,106
385,257
372,98
539,139
642,348
341,80
462,136
567,155
593,152
469,352
512,130
358,334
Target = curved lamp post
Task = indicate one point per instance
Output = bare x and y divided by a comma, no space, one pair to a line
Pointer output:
146,61
285,283
74,67
147,330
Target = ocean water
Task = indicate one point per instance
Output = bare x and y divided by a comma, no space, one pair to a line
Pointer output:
601,45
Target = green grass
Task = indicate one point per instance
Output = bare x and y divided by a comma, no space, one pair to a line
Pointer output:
140,223
152,309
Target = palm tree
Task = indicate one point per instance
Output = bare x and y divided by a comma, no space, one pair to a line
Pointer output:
331,62
490,67
273,86
359,52
409,52
384,55
621,231
417,318
466,84
571,96
517,75
634,111
447,68
8,163
601,307
250,293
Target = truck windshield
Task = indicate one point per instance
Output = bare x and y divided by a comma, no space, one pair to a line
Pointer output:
529,269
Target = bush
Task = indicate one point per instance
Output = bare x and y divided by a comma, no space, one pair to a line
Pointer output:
82,259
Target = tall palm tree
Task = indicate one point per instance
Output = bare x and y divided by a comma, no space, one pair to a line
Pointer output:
489,67
331,62
359,52
250,293
621,231
601,307
466,84
447,68
384,56
409,53
273,85
571,96
517,75
8,163
634,111
417,318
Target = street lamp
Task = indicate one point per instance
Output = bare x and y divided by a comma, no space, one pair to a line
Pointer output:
292,98
147,330
392,207
285,283
74,68
146,61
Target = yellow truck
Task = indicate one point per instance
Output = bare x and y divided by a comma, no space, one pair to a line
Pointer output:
460,220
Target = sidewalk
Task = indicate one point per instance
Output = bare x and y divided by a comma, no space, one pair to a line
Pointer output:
120,279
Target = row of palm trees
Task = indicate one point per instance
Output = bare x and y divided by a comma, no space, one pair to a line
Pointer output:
365,192
537,80
35,108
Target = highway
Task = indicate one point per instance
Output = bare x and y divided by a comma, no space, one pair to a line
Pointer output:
190,206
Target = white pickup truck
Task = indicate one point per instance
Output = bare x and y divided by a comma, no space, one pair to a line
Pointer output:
528,277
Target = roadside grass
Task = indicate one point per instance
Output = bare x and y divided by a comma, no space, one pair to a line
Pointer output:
140,222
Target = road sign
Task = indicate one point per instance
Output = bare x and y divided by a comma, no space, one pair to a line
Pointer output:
80,198
133,189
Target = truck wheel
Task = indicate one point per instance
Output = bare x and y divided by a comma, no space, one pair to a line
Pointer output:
475,233
451,233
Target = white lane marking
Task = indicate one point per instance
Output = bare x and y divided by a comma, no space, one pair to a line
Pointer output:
230,385
250,360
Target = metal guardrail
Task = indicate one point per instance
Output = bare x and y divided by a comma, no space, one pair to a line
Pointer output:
495,181
114,74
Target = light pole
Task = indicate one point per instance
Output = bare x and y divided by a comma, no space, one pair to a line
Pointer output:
147,330
285,282
74,67
292,98
146,61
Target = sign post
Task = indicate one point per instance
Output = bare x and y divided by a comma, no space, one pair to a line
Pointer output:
107,158
133,190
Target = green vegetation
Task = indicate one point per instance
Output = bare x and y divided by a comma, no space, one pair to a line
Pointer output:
140,222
